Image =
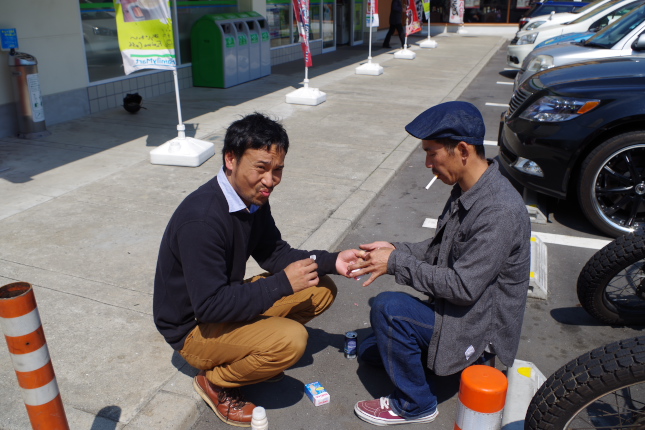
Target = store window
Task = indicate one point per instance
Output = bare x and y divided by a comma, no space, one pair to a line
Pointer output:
283,26
100,33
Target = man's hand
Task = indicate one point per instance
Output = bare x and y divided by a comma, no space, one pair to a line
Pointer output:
302,274
376,245
346,258
374,263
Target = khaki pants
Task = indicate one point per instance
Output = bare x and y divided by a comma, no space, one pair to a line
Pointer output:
243,353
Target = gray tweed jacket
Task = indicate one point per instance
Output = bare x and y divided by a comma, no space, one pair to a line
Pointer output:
475,270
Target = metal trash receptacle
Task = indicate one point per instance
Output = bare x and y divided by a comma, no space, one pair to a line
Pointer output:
214,51
29,102
255,48
265,42
243,51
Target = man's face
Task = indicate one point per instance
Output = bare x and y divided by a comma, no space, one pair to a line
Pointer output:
255,174
445,164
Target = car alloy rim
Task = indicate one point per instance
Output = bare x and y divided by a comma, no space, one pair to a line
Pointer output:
618,195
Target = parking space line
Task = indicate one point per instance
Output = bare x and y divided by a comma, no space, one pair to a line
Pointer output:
490,142
555,239
497,104
505,83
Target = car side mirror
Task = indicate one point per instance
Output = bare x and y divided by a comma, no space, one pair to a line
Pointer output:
639,44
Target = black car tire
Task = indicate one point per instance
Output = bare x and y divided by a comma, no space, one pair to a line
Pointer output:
611,184
611,286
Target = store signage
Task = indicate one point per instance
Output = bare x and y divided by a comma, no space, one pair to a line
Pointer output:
8,39
301,9
145,35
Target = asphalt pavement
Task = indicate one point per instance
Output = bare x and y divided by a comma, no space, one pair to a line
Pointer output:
83,213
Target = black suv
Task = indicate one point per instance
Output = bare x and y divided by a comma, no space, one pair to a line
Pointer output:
579,130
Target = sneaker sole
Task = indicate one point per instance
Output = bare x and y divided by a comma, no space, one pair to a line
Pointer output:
208,401
381,422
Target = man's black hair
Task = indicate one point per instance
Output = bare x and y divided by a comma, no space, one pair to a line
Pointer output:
451,144
254,131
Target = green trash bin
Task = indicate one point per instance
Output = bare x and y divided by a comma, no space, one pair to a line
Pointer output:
214,51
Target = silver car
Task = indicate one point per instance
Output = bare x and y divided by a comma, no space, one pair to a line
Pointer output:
625,36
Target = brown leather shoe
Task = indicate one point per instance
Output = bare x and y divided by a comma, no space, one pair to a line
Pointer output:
227,403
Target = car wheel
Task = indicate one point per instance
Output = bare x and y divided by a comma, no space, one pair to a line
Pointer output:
611,185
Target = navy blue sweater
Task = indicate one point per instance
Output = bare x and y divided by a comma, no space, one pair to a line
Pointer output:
202,260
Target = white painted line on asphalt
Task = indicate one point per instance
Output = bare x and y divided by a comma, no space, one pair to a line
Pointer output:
505,83
490,142
555,239
497,104
510,68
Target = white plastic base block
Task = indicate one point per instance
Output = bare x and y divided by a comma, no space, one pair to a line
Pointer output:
373,69
306,96
187,152
462,30
405,54
524,379
538,287
428,43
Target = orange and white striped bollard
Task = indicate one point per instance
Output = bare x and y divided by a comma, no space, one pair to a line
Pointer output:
20,322
482,396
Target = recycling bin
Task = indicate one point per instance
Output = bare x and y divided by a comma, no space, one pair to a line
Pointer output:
29,103
214,51
255,48
262,27
243,51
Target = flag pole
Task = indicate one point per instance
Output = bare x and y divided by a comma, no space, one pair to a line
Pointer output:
370,68
404,53
305,95
182,150
428,43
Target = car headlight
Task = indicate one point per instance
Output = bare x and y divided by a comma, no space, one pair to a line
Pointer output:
528,39
556,109
539,63
534,24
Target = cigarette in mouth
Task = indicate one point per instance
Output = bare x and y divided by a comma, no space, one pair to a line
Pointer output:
431,182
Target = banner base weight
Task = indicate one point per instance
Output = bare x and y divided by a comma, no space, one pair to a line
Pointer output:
188,152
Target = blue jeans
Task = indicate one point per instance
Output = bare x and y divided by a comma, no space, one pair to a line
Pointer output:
403,326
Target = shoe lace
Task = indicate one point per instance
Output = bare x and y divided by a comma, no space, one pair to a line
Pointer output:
385,403
234,397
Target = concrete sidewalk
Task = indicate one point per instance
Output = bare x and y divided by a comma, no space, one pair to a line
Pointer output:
83,212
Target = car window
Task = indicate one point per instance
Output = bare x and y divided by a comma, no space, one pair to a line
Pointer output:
610,35
611,17
600,11
585,9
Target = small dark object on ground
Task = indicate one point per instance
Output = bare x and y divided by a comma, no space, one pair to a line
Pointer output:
132,102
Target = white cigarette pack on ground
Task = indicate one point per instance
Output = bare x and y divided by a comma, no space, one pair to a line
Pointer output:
317,393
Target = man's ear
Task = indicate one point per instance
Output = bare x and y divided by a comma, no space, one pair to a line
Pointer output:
463,150
230,160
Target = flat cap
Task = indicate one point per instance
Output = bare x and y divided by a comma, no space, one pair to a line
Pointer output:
459,121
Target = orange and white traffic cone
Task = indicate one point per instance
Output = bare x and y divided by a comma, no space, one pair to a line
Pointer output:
21,326
482,395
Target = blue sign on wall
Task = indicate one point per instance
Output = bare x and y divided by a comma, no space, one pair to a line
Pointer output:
8,38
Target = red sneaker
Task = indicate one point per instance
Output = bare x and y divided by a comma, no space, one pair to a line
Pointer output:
379,413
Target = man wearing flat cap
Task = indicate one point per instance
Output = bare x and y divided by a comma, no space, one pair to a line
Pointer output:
475,272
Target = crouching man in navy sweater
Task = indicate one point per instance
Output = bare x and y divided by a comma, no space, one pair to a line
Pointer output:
239,332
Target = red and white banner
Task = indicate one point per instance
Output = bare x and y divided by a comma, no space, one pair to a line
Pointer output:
301,8
372,14
456,12
412,23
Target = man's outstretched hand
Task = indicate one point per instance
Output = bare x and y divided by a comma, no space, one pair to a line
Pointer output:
346,258
374,262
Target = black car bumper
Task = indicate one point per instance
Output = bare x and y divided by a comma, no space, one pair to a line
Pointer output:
553,147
